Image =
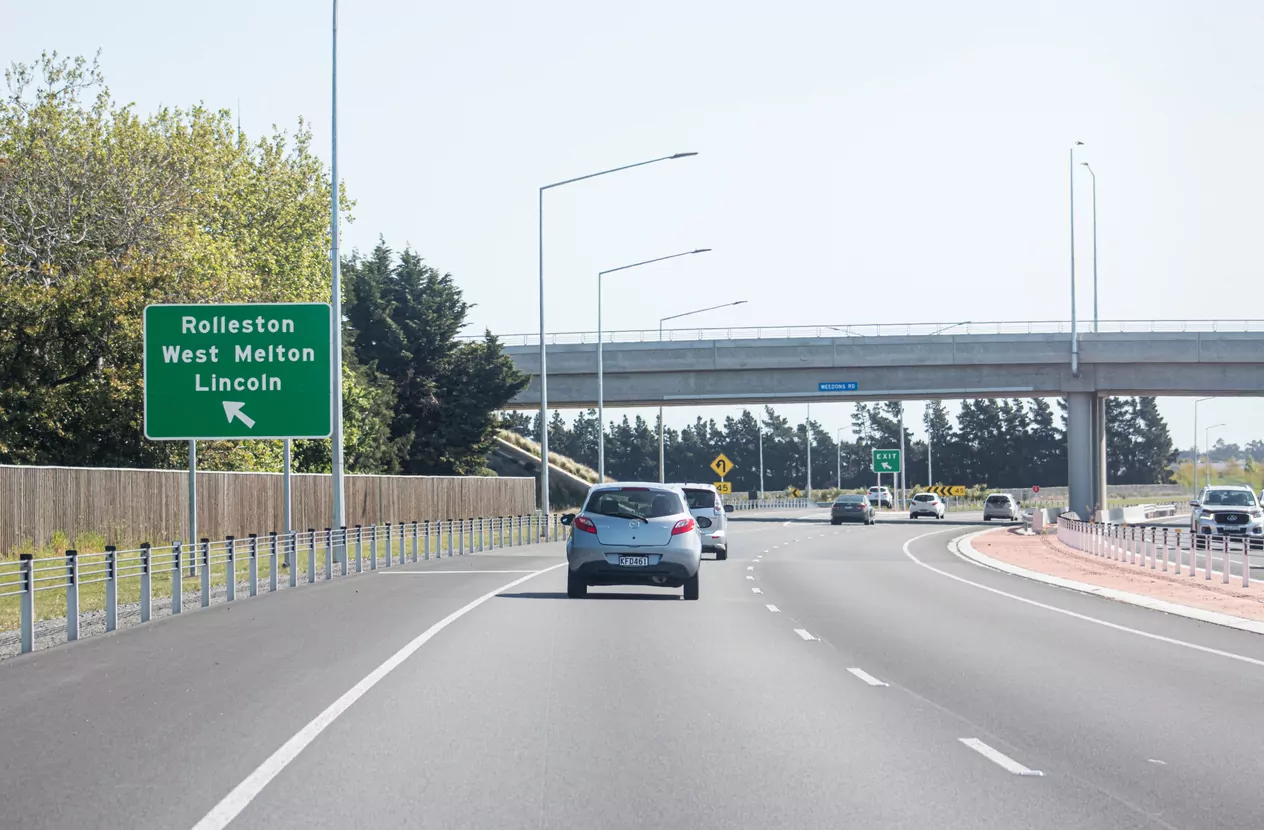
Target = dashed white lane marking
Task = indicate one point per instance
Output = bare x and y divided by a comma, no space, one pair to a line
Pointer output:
748,576
750,567
773,609
867,677
239,797
1157,761
756,591
802,632
787,524
999,758
1159,637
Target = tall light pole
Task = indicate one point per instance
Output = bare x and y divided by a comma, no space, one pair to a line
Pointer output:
544,379
1196,403
336,457
838,443
760,427
1075,340
662,467
807,429
1207,433
1094,175
601,397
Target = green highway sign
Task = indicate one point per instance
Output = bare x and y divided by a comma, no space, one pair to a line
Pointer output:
253,370
886,461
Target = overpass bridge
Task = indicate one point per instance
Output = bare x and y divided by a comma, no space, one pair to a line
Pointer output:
804,364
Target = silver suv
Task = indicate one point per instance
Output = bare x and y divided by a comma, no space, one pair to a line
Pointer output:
704,503
1227,510
633,534
1001,506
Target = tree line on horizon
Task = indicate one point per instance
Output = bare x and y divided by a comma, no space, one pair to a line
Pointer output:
997,443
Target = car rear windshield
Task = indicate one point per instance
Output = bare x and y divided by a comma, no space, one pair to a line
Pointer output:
924,497
634,502
998,500
1230,498
700,499
849,500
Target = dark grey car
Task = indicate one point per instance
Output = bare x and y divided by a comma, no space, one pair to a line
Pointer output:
848,508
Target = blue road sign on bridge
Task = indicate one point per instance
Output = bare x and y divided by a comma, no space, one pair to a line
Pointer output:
837,386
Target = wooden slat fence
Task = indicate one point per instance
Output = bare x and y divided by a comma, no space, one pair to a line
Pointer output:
130,506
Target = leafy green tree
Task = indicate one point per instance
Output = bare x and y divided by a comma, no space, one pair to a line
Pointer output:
405,317
103,212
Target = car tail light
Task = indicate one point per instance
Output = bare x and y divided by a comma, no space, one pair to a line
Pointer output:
717,511
585,524
683,526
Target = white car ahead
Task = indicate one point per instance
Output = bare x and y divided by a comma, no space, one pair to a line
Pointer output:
927,504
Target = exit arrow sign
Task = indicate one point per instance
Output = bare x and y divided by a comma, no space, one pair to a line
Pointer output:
886,461
233,371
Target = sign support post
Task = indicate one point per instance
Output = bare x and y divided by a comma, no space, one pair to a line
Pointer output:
192,493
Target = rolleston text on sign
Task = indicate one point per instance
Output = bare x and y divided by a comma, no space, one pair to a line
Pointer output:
237,371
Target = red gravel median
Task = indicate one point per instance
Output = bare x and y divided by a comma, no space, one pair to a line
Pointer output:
1046,555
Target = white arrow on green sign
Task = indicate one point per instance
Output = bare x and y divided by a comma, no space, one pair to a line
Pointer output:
886,461
256,370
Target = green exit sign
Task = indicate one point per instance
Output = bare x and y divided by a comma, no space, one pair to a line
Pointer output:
886,461
251,370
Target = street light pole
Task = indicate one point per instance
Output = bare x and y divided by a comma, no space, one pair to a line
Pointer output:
1094,175
544,376
1195,483
336,454
662,467
807,429
1207,433
761,460
838,443
601,397
1075,341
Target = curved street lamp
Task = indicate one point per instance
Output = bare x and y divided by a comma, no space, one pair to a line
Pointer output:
662,467
544,382
601,395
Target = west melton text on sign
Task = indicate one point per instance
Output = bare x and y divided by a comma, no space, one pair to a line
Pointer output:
237,371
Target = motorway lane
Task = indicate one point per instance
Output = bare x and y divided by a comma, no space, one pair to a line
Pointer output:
151,725
1160,731
635,707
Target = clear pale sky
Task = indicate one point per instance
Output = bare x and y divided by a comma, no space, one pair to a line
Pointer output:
916,148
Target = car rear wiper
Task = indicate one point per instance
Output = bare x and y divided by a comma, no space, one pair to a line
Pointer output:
625,514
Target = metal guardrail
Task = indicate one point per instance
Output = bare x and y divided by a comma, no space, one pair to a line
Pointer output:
342,552
875,330
771,504
1146,547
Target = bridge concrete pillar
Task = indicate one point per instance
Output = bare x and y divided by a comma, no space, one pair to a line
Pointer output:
1100,482
1080,407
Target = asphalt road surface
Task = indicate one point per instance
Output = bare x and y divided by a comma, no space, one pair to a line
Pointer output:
828,677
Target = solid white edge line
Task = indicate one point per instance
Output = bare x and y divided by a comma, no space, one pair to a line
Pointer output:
1116,626
394,572
802,632
773,609
240,796
999,758
867,677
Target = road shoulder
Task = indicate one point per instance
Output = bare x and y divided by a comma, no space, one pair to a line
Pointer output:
1044,559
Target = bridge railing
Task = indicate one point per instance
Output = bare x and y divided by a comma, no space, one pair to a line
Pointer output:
99,592
1153,548
878,330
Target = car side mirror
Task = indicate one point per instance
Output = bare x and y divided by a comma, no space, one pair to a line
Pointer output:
1193,503
728,508
567,519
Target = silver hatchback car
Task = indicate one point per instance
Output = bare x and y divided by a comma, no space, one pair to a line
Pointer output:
633,534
